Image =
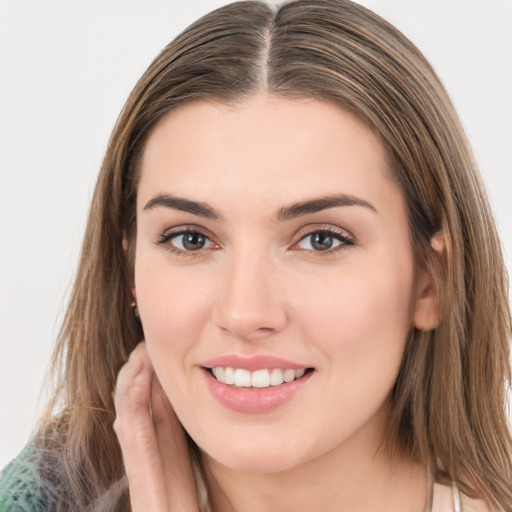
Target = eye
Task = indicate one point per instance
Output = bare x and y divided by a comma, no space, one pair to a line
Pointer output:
192,241
324,240
185,241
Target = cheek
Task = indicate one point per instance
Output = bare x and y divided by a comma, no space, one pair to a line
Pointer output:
360,315
174,307
173,310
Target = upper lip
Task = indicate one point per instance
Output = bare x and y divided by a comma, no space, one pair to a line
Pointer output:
253,363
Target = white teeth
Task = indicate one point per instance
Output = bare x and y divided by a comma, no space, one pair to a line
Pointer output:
221,374
258,379
289,375
276,377
242,378
230,376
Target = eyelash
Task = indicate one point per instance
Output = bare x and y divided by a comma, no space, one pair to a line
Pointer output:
346,240
167,236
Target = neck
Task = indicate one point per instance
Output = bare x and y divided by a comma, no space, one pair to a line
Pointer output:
354,476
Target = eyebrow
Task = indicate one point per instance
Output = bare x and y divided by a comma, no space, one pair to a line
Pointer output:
184,205
322,203
285,213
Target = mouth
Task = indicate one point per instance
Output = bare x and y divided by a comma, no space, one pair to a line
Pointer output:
255,391
258,379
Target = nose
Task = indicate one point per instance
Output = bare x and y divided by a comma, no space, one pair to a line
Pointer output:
251,302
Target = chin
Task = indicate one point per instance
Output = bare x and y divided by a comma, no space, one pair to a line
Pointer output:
253,457
259,464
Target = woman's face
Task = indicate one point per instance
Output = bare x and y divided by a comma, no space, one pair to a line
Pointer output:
271,243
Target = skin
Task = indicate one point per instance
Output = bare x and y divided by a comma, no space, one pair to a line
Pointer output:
155,452
258,286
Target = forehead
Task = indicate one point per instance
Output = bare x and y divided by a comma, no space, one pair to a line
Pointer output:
266,148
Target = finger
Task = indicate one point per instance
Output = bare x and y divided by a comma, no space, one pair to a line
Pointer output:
174,451
135,430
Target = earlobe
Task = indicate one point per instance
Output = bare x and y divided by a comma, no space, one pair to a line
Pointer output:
438,243
426,311
427,314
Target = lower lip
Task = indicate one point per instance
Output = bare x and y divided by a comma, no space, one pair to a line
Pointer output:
254,400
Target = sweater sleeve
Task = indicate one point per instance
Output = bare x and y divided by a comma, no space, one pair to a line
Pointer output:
31,483
21,487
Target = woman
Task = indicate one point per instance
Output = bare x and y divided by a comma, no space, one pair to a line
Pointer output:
289,216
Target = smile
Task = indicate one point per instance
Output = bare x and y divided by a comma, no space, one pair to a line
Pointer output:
255,391
264,378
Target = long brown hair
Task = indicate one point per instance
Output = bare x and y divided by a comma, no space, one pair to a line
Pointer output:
448,404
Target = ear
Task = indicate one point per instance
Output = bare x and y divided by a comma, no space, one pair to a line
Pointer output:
427,314
126,249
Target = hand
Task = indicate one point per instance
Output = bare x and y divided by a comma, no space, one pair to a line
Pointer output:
152,440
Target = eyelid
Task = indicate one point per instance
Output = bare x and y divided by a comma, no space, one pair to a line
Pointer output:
165,237
345,236
185,228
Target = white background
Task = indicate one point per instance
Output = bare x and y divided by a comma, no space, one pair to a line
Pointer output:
66,68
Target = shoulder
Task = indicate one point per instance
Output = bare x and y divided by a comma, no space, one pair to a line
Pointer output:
22,488
37,481
448,499
472,505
